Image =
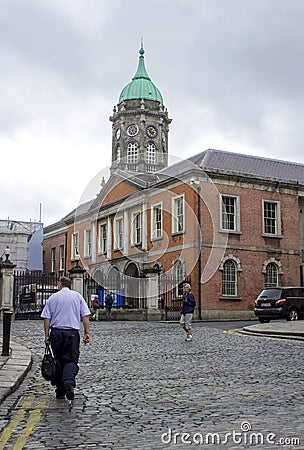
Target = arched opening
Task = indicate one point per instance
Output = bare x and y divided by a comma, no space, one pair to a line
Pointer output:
131,287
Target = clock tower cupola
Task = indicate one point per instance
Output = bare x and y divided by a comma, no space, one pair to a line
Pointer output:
140,125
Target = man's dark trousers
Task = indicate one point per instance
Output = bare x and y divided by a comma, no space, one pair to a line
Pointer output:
65,346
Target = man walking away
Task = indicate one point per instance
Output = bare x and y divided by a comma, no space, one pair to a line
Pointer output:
187,311
62,314
108,304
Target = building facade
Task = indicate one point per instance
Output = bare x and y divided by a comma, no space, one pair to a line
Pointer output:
230,223
24,239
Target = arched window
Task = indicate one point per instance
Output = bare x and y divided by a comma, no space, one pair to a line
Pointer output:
150,154
229,278
132,153
271,275
118,154
178,278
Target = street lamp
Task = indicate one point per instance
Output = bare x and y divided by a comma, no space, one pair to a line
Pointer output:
76,260
7,253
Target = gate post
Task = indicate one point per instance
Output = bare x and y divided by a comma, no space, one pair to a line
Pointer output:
153,312
6,284
76,275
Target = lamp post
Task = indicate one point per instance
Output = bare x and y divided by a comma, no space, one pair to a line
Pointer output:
6,286
7,253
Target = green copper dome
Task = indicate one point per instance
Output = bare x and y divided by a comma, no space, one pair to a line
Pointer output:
141,85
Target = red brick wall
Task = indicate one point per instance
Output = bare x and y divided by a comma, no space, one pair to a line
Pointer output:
250,247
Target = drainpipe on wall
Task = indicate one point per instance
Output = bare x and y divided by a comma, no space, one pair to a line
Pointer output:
200,253
65,252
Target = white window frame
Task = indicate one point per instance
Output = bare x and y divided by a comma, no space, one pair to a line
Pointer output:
229,284
277,218
53,259
176,225
136,231
150,153
179,278
61,258
269,276
156,232
87,235
103,238
132,153
236,215
74,245
118,233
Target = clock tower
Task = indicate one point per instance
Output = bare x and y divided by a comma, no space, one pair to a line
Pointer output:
140,125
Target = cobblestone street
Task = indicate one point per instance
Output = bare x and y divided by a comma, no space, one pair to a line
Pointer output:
141,386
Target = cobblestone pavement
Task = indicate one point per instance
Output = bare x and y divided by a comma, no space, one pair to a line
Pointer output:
141,386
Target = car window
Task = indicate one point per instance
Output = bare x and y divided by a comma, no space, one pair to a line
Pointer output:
298,292
271,293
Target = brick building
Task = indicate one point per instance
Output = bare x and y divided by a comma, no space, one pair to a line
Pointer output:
230,223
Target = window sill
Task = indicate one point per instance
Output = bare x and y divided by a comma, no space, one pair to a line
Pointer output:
137,244
273,236
236,298
178,233
236,232
117,249
156,239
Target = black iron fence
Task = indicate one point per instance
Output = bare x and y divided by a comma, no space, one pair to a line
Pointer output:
31,291
128,292
171,296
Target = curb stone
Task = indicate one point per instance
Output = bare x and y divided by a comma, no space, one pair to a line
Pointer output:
13,369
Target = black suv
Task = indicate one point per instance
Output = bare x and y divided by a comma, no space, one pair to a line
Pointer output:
280,303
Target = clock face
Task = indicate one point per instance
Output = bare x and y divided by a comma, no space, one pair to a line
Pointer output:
118,133
151,131
132,130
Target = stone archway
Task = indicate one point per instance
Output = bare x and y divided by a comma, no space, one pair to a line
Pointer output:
132,288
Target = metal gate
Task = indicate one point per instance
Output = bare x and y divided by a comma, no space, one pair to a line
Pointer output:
131,289
171,296
31,291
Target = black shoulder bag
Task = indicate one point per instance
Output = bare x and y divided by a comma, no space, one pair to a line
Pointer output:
48,364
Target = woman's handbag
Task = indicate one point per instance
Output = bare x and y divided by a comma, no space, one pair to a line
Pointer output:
48,364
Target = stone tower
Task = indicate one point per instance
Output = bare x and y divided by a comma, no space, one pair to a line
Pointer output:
140,125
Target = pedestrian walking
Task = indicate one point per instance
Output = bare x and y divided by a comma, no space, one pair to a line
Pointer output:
108,304
62,315
96,308
187,311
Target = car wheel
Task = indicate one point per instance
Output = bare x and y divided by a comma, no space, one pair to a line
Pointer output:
292,314
264,320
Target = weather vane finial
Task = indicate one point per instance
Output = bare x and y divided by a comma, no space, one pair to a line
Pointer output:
142,42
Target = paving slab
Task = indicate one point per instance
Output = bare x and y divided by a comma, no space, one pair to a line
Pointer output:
291,330
13,369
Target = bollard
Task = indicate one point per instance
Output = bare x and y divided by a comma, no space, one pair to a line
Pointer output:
7,317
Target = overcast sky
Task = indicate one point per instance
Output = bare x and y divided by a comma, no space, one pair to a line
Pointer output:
230,71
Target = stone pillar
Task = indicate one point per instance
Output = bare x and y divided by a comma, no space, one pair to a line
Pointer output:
76,275
6,285
144,237
95,236
153,312
126,232
109,238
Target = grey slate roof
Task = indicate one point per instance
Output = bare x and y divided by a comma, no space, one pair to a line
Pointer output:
211,160
249,165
